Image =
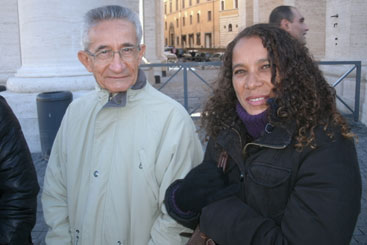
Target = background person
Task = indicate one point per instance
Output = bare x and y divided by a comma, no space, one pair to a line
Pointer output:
291,20
286,151
18,182
118,148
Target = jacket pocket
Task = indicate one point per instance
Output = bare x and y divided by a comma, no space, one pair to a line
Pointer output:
147,169
267,188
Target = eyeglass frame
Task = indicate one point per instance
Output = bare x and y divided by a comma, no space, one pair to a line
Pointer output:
109,59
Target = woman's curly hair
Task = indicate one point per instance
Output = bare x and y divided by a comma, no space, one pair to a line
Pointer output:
302,95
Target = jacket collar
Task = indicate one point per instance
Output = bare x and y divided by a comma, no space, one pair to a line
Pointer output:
235,138
120,99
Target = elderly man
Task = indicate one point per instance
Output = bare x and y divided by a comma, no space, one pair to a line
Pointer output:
118,148
291,20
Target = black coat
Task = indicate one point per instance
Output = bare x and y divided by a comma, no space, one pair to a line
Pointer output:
18,182
287,196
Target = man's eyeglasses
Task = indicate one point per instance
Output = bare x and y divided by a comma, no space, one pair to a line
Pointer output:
106,55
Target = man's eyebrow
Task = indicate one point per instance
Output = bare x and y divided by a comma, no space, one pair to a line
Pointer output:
101,47
127,45
105,46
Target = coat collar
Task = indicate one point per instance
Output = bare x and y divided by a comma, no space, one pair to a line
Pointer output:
120,99
235,138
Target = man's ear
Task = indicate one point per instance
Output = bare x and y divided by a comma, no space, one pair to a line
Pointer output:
142,51
284,24
86,60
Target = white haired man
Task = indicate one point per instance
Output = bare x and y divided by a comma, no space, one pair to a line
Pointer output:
118,148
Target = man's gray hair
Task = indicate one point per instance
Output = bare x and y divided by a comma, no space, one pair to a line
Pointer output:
279,13
109,12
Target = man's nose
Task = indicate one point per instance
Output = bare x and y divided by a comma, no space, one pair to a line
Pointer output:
306,27
117,64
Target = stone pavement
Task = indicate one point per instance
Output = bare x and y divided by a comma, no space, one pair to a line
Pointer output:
360,233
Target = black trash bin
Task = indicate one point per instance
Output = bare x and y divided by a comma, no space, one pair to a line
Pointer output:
51,107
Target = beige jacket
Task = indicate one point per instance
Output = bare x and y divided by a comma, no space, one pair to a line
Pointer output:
109,169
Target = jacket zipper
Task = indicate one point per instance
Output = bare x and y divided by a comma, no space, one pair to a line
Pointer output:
262,145
243,170
77,232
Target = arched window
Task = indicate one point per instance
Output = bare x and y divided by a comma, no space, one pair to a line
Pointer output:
230,27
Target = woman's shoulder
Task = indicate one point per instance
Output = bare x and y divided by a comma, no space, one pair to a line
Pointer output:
329,135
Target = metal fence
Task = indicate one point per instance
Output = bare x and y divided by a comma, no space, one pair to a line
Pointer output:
356,66
186,67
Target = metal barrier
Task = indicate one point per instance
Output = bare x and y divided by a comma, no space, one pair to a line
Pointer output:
357,66
187,66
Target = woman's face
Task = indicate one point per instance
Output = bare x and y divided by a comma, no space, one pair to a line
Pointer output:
251,75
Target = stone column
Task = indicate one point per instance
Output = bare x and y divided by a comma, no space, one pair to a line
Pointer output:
9,41
242,14
152,21
346,39
49,42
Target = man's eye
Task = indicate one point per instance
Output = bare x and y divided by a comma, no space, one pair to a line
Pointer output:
103,53
127,50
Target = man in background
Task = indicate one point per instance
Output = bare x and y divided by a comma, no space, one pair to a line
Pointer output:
291,20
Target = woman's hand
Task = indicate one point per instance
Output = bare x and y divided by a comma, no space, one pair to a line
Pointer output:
202,185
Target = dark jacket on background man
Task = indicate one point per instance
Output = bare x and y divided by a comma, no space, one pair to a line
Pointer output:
286,196
18,182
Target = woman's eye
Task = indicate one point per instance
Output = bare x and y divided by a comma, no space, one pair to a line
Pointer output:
236,72
266,66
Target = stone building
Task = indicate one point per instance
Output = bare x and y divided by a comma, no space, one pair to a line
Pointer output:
191,23
229,21
200,23
39,44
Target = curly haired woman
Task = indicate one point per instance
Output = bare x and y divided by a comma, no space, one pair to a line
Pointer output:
280,165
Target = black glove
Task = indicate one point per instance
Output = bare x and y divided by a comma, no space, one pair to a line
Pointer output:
204,184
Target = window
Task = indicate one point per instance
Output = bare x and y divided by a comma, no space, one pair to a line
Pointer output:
165,25
177,41
198,41
190,19
183,41
190,2
191,40
165,8
198,17
183,21
222,5
230,27
236,4
170,6
176,5
197,1
209,15
165,42
177,23
183,4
